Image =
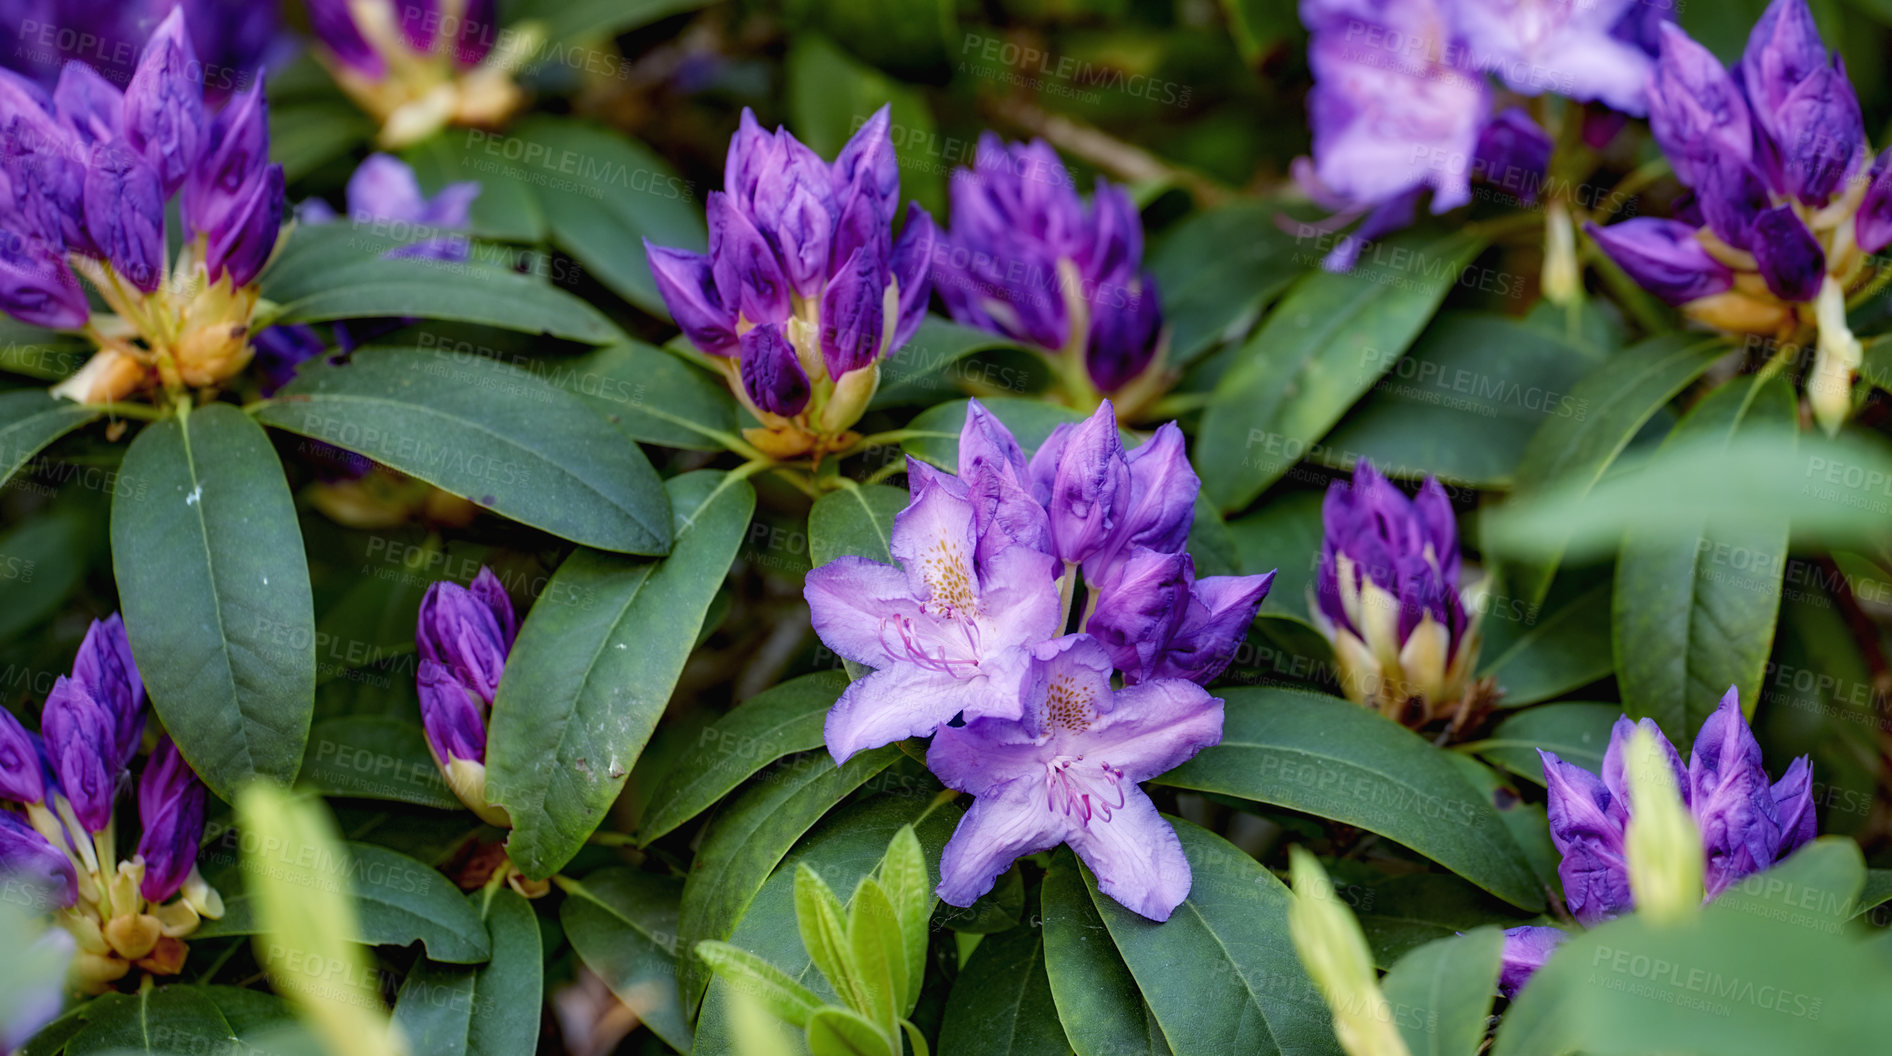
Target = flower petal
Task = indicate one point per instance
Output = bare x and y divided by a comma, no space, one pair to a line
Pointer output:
1001,828
1136,856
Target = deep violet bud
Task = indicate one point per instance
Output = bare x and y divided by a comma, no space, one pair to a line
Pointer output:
772,373
1873,226
688,288
282,350
1159,506
912,268
334,25
171,814
25,856
124,214
1732,196
748,275
1080,475
235,157
243,247
853,316
104,668
1513,154
81,745
1221,608
465,635
1790,258
36,285
43,164
1140,609
1126,332
479,31
1526,950
164,103
90,105
1803,105
1696,109
1664,257
22,775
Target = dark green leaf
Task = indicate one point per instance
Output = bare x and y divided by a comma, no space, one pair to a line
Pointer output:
603,194
1097,999
40,562
776,722
398,901
1001,1004
215,592
1694,616
1284,535
506,209
594,666
487,1011
569,20
306,136
1332,759
1316,354
29,420
1441,993
653,396
48,355
172,1020
1536,655
742,847
367,757
1621,397
1404,913
490,433
1575,733
623,925
928,367
1221,975
1217,268
854,522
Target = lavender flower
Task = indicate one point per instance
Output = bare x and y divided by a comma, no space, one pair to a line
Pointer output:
803,289
418,65
464,637
26,855
171,815
1575,48
1526,949
1067,771
1747,821
1387,595
1028,259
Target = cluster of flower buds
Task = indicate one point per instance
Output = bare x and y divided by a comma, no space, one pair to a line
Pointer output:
232,37
1028,259
417,66
1787,207
464,637
1387,596
88,173
968,645
804,288
1401,102
66,781
1746,821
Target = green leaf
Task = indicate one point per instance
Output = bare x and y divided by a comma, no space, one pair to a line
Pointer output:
824,932
1284,535
568,20
1031,420
45,355
782,996
840,1032
854,522
1576,733
172,1019
1221,975
842,849
909,886
1535,655
1097,999
1694,616
506,209
1317,353
1441,993
776,722
603,195
305,136
928,367
41,561
1464,402
1217,268
397,901
1622,396
488,1011
215,592
623,925
29,420
652,396
1745,979
368,757
875,937
1403,913
594,666
1327,757
490,433
361,284
1001,1004
742,846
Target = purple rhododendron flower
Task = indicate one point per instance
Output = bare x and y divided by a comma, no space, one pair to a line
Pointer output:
171,814
1570,47
1068,770
465,636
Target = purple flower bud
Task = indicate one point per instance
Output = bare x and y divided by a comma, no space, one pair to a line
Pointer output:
124,214
1140,608
81,743
1873,226
1732,799
479,20
469,631
1221,608
1081,477
26,856
244,246
1526,950
688,287
1115,242
1732,195
21,773
1664,257
1695,108
853,314
1587,829
993,470
1783,50
420,23
912,270
1793,803
1821,137
751,150
1641,24
90,105
334,25
36,285
747,274
171,813
867,165
1407,548
1126,328
793,204
104,668
1616,756
1160,506
772,373
1513,153
452,716
235,156
1789,257
43,165
164,103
